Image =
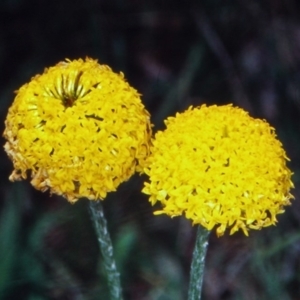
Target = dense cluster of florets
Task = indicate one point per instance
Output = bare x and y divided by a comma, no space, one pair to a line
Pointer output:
79,129
220,168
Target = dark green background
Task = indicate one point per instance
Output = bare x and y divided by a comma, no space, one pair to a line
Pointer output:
177,54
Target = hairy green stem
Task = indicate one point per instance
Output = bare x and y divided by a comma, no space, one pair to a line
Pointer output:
113,277
198,263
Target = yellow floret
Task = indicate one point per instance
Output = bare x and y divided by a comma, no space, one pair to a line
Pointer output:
79,129
220,168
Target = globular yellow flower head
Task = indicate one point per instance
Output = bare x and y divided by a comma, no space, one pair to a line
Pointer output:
220,168
78,129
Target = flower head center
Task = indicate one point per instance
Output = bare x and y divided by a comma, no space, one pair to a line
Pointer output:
70,87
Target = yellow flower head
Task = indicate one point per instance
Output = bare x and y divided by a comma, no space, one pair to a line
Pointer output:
219,167
78,129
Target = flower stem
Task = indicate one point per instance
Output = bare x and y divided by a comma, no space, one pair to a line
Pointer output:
198,262
113,276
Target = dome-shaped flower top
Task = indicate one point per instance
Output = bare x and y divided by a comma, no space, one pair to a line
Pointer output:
79,129
219,167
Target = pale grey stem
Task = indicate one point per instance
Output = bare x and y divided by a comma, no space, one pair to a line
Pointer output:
113,276
198,263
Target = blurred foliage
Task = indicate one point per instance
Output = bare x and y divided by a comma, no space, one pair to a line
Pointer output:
177,54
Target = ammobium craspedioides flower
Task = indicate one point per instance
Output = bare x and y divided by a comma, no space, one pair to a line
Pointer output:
79,129
219,167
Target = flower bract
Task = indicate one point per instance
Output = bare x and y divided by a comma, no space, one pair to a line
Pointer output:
220,168
79,129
